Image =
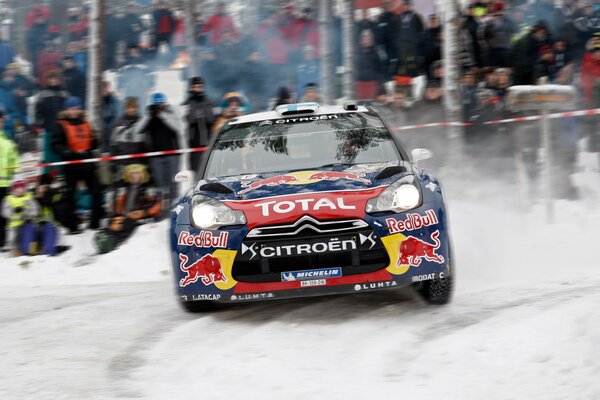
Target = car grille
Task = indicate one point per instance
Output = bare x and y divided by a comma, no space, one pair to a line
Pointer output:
309,244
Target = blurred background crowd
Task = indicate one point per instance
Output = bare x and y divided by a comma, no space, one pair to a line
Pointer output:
274,58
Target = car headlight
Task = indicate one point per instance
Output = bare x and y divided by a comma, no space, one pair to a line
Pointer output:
209,213
400,196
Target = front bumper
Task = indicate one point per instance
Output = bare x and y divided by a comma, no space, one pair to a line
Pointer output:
206,264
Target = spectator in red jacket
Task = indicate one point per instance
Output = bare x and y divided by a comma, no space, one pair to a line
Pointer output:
35,12
164,25
218,24
590,72
48,60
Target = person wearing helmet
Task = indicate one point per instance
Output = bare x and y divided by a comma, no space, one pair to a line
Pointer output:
161,129
74,139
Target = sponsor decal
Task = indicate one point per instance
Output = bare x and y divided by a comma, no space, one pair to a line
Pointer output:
207,269
252,296
413,250
413,221
302,178
374,285
333,245
431,186
199,297
312,283
266,122
178,209
289,206
427,277
204,239
308,274
371,239
306,119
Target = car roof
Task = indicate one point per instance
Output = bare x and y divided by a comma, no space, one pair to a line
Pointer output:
322,110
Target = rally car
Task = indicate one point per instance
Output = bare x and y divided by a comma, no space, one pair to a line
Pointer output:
309,200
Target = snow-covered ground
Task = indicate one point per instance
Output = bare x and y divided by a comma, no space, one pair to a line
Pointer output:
524,322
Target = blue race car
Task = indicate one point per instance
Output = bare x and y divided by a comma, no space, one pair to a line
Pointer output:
309,200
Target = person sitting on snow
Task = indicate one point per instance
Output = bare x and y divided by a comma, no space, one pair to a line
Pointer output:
51,200
20,209
136,202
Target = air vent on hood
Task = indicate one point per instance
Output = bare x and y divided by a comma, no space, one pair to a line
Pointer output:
216,188
390,171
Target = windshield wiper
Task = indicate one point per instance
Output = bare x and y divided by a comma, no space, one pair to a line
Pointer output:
335,165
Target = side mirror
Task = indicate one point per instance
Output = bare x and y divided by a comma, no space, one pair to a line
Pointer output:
419,155
184,177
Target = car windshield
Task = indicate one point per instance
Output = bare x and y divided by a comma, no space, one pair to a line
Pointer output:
298,142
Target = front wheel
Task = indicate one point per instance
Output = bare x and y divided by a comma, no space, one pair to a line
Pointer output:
437,292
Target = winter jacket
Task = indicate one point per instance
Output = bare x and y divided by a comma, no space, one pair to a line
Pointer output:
49,104
217,25
161,129
590,73
75,83
369,66
132,29
410,26
47,61
498,33
19,209
164,22
9,160
7,53
110,112
125,139
73,139
199,119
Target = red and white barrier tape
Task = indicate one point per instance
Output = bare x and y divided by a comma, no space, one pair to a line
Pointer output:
568,114
122,157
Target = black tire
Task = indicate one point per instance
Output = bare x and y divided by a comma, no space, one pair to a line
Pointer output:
197,307
437,292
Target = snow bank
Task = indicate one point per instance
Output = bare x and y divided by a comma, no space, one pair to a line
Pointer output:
143,258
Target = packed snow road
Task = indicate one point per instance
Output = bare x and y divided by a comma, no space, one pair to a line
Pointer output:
524,324
131,341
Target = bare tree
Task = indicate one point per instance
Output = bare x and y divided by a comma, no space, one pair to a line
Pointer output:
327,73
452,92
96,57
349,91
190,12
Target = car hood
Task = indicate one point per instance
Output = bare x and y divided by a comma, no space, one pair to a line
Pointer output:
331,179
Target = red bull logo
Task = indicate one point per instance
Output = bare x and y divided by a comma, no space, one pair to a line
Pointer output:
302,178
413,221
413,250
207,269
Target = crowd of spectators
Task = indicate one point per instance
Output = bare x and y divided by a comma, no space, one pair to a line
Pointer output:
276,61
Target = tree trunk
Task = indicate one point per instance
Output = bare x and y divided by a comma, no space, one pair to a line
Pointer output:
327,73
452,77
349,91
96,57
190,12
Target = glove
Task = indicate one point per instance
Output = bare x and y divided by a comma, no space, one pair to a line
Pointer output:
139,214
18,210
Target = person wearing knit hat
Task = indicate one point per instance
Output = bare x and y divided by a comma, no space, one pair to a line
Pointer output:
123,139
137,201
20,209
74,139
